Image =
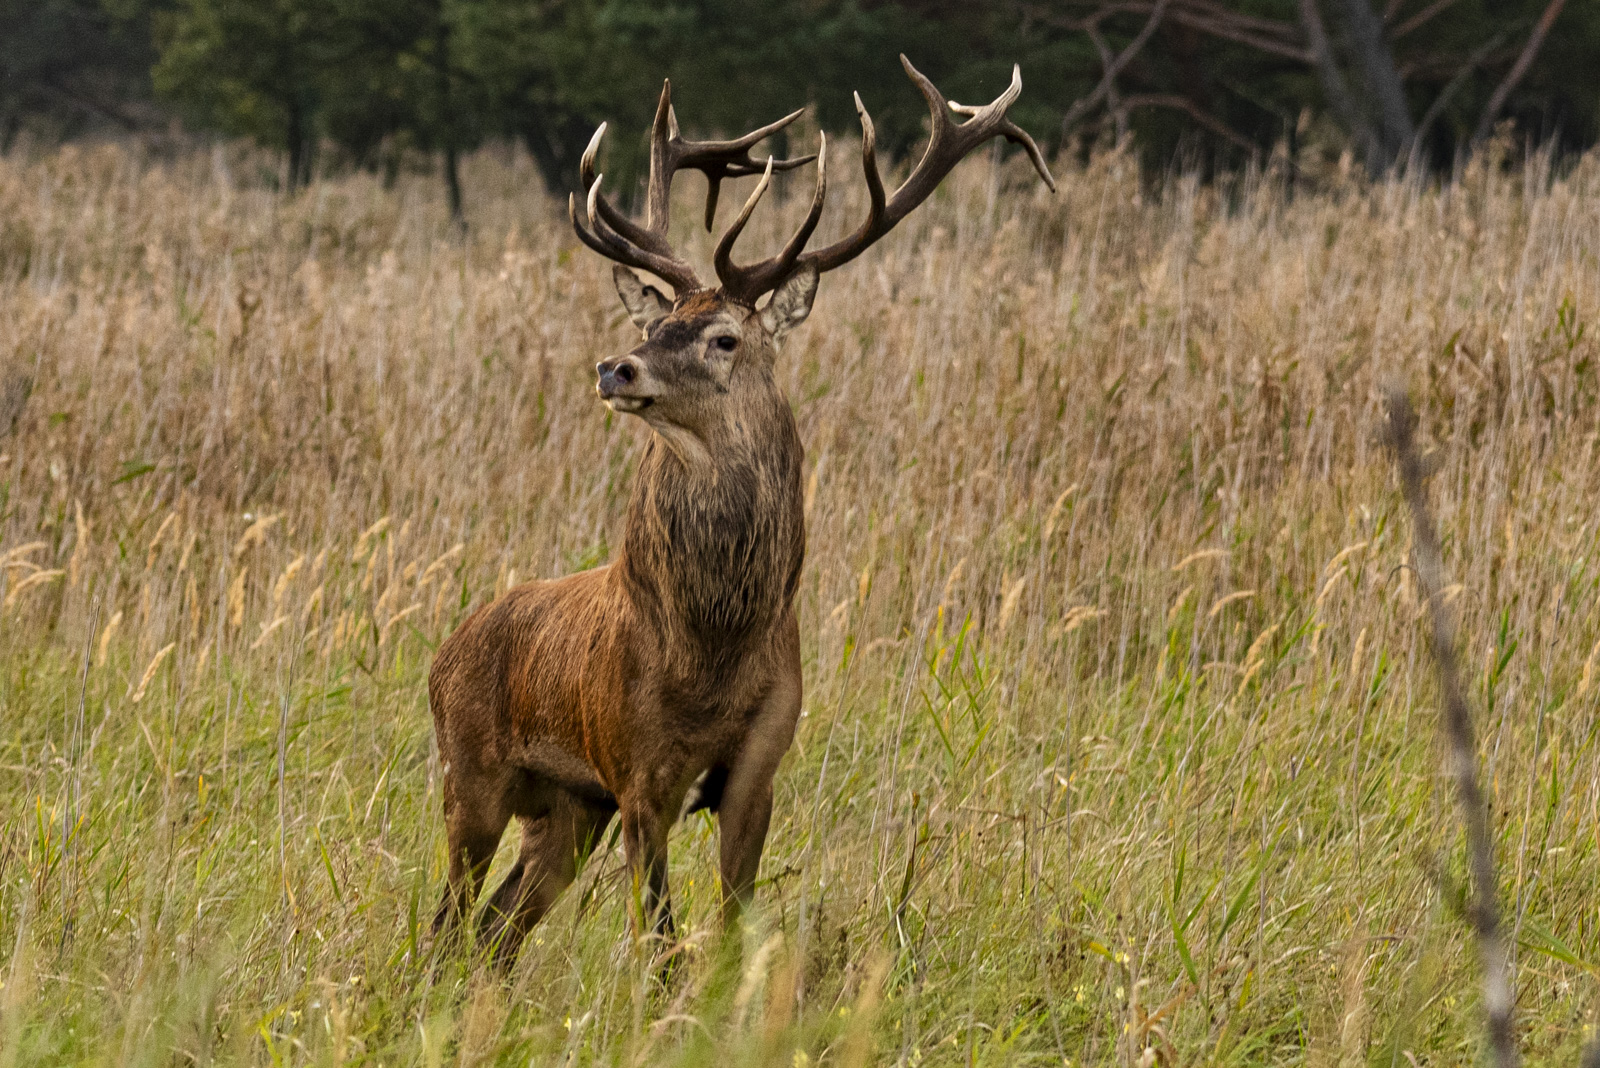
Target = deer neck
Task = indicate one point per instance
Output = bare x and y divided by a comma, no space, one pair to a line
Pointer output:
715,532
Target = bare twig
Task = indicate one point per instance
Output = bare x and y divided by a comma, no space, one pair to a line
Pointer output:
1195,112
1448,93
1456,728
1497,101
1273,36
1256,23
1113,66
1230,30
1420,19
1119,114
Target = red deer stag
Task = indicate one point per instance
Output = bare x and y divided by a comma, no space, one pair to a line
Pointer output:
677,666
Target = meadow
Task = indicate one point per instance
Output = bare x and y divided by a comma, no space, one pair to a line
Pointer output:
1120,735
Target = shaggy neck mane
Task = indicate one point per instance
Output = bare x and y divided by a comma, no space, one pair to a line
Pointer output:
711,552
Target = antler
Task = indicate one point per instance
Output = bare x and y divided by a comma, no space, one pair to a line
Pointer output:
948,143
617,237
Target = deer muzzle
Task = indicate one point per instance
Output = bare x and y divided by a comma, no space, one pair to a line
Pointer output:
618,385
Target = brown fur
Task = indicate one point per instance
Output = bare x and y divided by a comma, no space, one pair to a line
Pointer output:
616,689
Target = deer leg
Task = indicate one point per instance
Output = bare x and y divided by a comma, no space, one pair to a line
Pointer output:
475,818
554,848
644,837
746,808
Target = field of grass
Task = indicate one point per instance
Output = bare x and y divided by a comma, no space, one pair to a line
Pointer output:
1120,736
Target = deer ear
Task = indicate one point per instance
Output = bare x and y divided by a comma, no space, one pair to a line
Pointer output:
646,306
791,302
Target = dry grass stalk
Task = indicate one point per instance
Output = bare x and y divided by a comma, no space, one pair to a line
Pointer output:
1073,394
1499,999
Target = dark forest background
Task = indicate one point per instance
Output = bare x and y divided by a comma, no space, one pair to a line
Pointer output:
391,84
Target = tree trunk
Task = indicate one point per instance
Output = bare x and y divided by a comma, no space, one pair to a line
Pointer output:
452,184
1382,79
297,142
1332,78
10,125
446,116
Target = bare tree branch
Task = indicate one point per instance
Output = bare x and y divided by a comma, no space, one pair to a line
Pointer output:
1456,728
1113,98
1253,23
1450,89
1381,125
1195,112
1497,101
1113,66
1267,35
1420,18
1233,30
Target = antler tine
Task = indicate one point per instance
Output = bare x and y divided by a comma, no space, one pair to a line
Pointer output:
867,232
606,240
629,230
938,106
663,132
722,258
741,144
670,153
739,169
749,283
948,144
1010,130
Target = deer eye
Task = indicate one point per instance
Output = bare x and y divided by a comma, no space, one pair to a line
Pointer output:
727,342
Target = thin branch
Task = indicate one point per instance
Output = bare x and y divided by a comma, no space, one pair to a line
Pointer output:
1113,67
1113,98
1286,30
1231,30
1456,728
1449,91
1541,29
1421,18
1194,111
1266,35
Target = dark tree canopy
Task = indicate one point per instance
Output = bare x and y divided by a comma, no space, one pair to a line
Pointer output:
376,82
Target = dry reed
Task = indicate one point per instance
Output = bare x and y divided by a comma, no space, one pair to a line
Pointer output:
1116,744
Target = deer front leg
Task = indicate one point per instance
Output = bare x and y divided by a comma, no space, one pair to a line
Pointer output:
746,808
644,839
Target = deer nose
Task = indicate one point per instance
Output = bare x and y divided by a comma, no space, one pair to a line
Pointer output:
614,374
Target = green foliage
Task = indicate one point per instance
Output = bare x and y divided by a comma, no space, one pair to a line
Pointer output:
249,69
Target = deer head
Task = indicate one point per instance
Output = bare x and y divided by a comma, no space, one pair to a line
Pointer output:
707,351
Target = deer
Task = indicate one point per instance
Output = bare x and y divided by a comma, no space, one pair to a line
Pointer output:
667,681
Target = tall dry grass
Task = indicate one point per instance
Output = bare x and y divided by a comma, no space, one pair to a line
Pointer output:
1118,733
